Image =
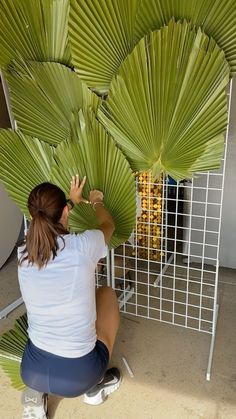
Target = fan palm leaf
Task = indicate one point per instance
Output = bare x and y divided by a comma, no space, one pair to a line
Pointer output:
34,30
101,34
217,18
93,153
24,163
44,97
12,344
167,106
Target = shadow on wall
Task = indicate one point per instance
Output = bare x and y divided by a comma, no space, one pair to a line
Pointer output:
228,229
4,117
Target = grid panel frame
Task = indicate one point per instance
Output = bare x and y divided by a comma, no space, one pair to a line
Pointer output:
179,286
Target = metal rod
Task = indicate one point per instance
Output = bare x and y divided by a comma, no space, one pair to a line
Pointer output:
125,296
109,266
127,367
216,306
212,346
25,225
163,270
10,307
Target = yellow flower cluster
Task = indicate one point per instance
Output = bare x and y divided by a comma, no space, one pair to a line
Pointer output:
149,225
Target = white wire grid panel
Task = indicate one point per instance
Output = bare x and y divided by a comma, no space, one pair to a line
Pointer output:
179,284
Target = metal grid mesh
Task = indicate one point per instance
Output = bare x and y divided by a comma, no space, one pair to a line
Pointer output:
168,270
174,281
178,286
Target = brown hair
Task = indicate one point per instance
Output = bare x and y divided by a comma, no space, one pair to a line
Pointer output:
45,203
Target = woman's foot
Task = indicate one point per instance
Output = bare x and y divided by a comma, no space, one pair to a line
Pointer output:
35,404
98,394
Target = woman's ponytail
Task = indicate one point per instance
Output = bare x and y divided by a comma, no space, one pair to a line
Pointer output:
46,203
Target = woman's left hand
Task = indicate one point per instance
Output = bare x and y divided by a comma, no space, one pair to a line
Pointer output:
76,190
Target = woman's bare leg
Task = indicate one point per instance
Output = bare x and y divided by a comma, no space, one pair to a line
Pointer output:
108,316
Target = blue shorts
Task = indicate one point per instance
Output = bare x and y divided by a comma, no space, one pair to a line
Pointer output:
65,377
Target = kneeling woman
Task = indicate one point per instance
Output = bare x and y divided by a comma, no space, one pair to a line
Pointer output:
71,329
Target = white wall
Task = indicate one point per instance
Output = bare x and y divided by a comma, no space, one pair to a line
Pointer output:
228,227
228,231
10,225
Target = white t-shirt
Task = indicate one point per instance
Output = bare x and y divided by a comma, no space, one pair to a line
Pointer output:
60,298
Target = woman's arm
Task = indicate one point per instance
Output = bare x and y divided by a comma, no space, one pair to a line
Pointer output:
105,220
106,223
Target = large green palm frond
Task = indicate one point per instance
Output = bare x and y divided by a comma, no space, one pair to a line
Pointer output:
217,18
12,344
24,163
44,96
94,154
34,30
101,34
167,106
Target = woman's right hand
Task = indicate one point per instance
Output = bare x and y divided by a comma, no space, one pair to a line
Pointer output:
95,196
76,190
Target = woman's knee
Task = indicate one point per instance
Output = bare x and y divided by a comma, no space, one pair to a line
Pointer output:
107,303
108,316
106,293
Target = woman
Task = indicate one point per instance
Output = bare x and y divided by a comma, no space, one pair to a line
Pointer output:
71,331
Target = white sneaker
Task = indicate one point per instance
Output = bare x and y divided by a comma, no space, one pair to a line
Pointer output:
98,394
34,412
35,404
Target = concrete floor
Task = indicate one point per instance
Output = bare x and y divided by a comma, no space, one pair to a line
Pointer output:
169,365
